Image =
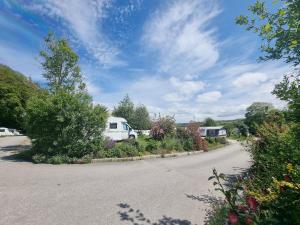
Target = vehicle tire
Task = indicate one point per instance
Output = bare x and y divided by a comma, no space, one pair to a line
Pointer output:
131,137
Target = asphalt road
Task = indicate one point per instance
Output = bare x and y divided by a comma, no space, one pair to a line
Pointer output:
169,191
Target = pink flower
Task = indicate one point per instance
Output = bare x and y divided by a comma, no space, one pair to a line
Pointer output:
233,218
252,203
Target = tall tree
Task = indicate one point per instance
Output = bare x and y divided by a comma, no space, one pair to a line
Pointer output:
15,90
256,114
141,120
209,122
60,64
63,122
125,109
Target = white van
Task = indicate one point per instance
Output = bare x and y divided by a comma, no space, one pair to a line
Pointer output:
118,129
5,132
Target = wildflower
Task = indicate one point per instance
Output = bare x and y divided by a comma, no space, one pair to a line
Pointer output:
252,203
233,218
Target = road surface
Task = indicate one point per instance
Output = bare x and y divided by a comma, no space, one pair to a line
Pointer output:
169,191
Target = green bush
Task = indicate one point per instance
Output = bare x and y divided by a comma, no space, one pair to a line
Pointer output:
152,145
188,144
64,124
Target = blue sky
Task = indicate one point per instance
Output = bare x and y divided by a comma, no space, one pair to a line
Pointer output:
178,57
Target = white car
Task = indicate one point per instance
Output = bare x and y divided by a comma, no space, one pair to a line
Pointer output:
5,132
118,129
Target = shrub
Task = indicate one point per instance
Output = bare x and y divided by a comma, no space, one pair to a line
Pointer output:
188,144
199,142
64,124
170,144
151,145
162,127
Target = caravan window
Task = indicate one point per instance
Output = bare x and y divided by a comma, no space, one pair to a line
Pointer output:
125,126
2,130
113,125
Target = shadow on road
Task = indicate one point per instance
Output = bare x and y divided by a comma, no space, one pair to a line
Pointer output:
136,217
16,153
204,198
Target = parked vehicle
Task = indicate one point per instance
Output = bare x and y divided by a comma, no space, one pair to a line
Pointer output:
5,132
212,132
118,129
15,132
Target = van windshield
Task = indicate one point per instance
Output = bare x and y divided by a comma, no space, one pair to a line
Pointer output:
125,126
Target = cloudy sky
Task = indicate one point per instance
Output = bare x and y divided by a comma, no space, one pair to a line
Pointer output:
178,57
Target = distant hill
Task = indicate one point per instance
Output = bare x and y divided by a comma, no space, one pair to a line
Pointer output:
15,90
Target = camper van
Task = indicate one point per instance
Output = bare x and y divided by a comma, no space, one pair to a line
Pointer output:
5,132
118,129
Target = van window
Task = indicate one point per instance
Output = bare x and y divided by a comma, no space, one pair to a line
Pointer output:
113,125
2,130
125,126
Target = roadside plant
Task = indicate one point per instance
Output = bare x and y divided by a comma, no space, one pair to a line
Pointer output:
162,127
199,142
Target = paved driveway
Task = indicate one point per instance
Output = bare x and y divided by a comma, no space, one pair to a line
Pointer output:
170,191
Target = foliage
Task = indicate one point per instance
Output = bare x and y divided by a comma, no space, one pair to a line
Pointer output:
162,127
63,122
125,109
60,66
289,91
256,115
141,118
209,122
199,142
138,117
15,90
278,29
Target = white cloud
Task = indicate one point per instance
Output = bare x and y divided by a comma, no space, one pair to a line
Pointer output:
249,79
84,19
209,97
181,37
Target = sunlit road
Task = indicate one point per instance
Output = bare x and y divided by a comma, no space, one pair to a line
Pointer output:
169,191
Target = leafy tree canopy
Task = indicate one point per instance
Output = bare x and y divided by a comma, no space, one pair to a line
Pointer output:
256,114
15,90
209,122
138,117
280,31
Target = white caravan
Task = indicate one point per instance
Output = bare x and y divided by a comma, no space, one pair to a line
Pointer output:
5,132
118,129
212,131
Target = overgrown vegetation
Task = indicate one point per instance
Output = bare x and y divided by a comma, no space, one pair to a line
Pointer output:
63,123
271,192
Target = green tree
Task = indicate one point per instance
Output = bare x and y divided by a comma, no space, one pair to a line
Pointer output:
280,33
63,122
125,109
60,64
256,114
15,90
209,122
141,118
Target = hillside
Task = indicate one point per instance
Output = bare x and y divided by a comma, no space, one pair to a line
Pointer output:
15,90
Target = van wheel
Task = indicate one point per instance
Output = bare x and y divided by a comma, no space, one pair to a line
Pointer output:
131,137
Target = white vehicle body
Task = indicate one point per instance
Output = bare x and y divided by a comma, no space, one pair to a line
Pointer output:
212,132
118,129
5,132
